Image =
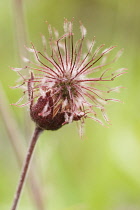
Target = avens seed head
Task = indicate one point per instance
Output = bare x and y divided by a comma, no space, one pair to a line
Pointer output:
60,86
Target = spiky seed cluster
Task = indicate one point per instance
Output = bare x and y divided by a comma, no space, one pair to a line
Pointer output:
58,88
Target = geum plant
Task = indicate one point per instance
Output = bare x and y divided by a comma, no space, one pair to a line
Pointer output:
58,87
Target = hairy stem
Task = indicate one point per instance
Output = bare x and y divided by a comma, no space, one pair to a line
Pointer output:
25,167
13,131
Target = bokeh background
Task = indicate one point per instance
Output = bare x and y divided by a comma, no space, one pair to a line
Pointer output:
101,171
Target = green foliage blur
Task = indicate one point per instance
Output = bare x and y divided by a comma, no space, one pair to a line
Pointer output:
102,170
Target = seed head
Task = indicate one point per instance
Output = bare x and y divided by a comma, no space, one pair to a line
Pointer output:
60,86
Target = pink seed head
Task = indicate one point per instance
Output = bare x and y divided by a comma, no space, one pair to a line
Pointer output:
60,87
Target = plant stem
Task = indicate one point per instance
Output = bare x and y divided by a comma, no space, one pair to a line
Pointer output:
26,167
14,134
20,28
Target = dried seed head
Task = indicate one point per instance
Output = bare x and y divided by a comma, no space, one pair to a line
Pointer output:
58,88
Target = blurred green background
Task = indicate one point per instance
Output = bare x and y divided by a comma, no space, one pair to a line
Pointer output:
102,171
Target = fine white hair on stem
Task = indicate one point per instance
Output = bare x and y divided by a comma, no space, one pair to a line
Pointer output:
83,30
